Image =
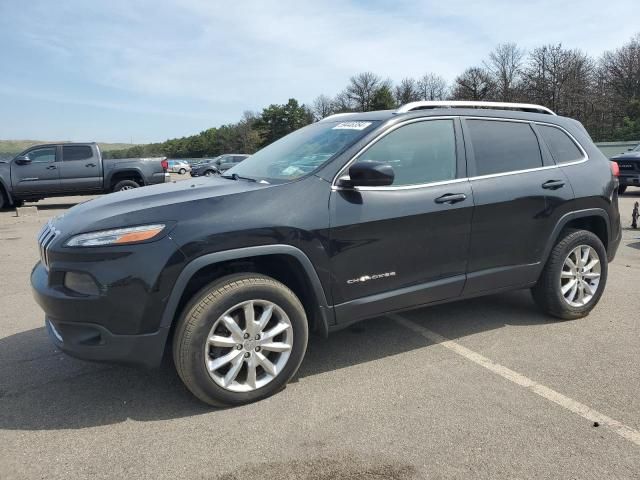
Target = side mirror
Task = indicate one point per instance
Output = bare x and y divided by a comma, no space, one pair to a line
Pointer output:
368,174
23,160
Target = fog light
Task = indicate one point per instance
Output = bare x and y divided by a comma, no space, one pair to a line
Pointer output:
80,283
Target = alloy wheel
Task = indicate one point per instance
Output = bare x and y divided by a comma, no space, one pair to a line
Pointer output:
248,346
580,276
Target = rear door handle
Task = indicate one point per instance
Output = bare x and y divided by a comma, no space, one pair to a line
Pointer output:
51,167
451,198
90,165
553,184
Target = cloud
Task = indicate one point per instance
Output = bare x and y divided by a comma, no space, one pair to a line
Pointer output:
215,59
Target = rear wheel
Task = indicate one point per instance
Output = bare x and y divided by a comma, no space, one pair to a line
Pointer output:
125,185
4,202
210,173
622,189
240,339
574,277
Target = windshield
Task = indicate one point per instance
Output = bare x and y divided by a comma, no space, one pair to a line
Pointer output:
302,151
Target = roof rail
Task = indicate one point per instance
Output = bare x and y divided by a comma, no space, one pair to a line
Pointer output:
526,107
336,115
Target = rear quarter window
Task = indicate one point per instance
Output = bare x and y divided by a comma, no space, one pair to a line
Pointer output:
503,146
563,149
76,152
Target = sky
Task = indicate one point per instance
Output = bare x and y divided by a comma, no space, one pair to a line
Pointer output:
147,70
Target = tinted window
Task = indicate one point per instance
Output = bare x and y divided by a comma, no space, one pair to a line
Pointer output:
503,146
561,146
76,152
42,155
421,152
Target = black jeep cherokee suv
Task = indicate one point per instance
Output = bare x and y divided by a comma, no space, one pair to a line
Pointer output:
352,217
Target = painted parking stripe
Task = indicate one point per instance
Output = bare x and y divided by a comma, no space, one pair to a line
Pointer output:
545,392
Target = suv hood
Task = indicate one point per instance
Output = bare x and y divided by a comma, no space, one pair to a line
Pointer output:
157,203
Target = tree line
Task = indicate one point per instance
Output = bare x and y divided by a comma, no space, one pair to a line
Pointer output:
603,93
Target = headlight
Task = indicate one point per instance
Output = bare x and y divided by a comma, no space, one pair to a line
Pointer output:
118,236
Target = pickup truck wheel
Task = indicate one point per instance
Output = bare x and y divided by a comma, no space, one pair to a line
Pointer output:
622,189
240,339
182,171
125,185
574,277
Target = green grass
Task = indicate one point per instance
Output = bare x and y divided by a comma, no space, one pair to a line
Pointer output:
10,148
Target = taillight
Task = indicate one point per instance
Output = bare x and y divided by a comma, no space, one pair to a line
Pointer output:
615,169
165,164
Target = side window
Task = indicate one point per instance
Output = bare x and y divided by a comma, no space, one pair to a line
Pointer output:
76,152
421,152
42,155
562,148
500,146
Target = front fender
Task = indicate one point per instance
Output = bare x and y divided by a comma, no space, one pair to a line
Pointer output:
241,253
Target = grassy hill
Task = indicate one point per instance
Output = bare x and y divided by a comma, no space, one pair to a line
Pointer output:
9,148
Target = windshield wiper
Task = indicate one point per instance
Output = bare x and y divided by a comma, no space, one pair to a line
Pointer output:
235,176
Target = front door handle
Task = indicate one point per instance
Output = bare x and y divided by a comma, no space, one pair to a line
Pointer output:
451,198
553,184
90,165
51,167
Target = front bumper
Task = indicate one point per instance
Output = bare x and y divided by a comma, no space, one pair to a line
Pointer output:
119,323
89,341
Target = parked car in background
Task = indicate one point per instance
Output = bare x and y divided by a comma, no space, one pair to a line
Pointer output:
430,203
215,166
227,161
629,165
54,170
179,166
207,167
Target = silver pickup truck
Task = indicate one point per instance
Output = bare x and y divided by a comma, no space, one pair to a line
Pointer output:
73,169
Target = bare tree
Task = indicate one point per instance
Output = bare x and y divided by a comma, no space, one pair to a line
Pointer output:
505,66
474,83
362,89
560,79
432,87
342,103
322,107
407,91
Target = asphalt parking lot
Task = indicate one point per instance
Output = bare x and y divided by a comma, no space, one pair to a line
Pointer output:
485,388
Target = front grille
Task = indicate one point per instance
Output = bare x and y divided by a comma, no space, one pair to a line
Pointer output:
45,239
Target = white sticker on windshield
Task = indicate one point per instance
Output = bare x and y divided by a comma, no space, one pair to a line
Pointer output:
351,126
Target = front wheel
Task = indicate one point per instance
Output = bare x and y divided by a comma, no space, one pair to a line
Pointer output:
574,277
240,339
210,173
182,171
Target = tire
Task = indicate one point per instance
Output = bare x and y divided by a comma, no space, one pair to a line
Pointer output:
182,171
125,185
548,293
18,203
201,365
4,202
622,189
210,173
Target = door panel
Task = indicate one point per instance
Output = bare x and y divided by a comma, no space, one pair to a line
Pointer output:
405,237
516,197
41,176
406,244
80,169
